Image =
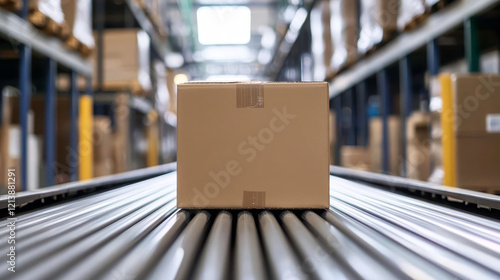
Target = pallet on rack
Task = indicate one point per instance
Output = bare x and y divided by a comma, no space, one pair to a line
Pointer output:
439,5
133,87
76,45
11,5
47,24
387,37
416,22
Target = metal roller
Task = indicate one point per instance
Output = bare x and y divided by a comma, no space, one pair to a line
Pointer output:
136,232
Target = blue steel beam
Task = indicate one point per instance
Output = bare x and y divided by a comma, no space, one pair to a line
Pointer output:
50,122
351,103
362,114
24,106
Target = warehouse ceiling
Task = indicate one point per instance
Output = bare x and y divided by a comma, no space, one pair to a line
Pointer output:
219,39
227,39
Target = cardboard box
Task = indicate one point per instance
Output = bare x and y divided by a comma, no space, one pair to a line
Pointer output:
321,39
78,16
418,146
356,157
378,23
395,147
48,8
409,10
344,28
103,161
476,105
121,136
126,60
253,145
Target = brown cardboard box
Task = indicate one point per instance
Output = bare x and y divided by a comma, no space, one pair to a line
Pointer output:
103,161
121,139
126,60
418,146
78,16
378,23
395,148
344,28
476,101
355,157
253,145
4,139
42,9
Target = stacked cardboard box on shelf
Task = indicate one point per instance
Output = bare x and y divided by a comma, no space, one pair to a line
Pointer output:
126,60
11,5
418,146
121,140
102,136
78,17
411,13
476,100
153,9
48,16
378,23
356,157
344,29
321,40
395,148
10,139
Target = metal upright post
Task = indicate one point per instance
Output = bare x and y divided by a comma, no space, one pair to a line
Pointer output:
351,134
472,46
362,113
50,122
100,11
24,106
383,90
73,137
406,104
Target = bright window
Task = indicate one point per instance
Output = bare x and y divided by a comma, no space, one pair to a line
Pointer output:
223,25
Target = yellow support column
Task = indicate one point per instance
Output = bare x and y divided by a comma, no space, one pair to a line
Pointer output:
152,135
448,136
85,148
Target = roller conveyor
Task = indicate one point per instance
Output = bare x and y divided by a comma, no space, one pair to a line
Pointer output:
126,229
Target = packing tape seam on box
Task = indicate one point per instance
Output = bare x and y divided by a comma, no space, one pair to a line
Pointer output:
250,95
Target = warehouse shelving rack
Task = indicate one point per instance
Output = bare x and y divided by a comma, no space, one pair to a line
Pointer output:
15,27
160,49
461,12
350,87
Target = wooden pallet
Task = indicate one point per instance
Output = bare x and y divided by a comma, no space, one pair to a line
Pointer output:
48,25
440,5
133,87
76,45
11,5
416,22
387,37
